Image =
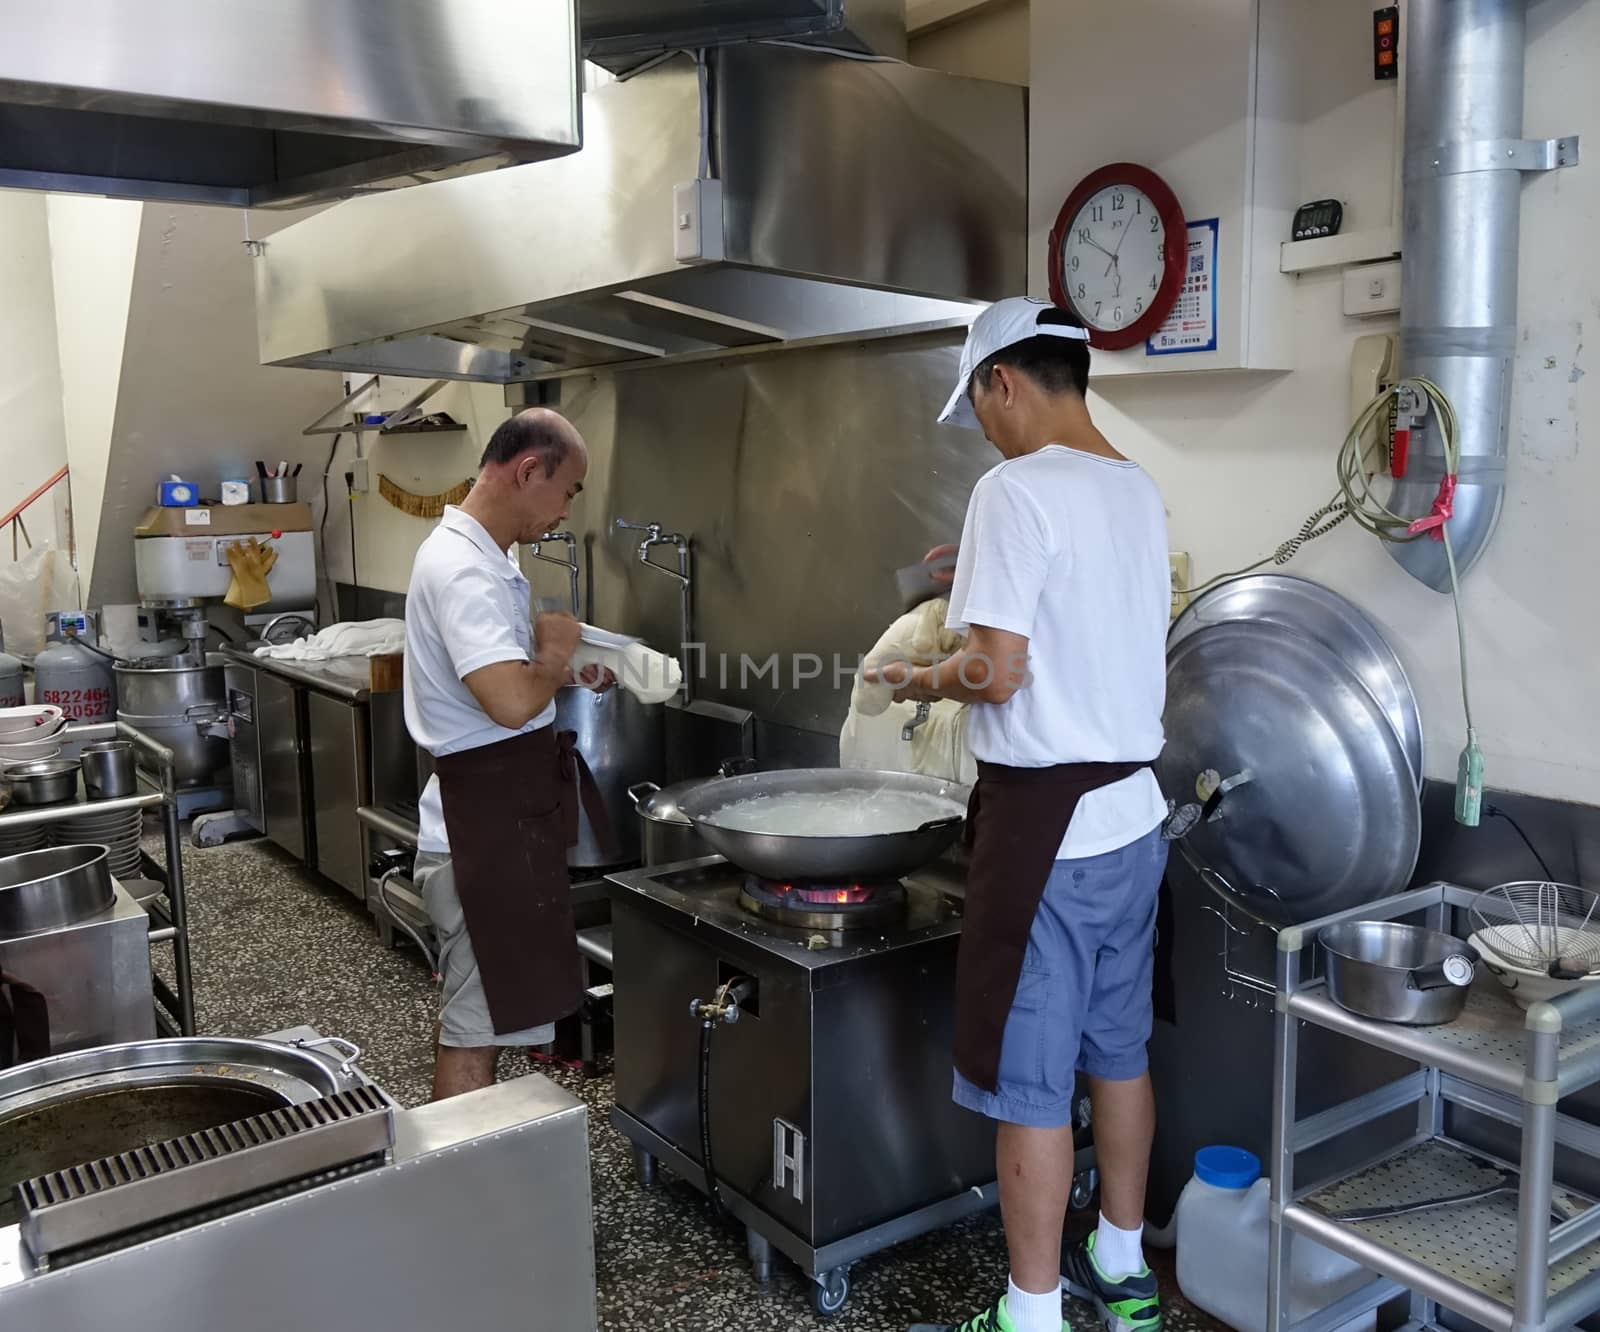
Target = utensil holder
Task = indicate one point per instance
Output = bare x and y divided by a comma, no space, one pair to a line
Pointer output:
279,489
108,769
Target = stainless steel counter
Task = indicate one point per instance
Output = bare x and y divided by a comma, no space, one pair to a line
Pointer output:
343,677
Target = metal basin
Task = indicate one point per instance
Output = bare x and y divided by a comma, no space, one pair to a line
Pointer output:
44,890
43,781
78,1107
827,859
1397,973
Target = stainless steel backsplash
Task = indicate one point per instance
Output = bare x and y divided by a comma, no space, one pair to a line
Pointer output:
804,478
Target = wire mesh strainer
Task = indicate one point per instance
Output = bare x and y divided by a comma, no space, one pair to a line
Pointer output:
1545,927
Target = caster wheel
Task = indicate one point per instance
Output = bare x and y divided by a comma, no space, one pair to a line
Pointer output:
830,1292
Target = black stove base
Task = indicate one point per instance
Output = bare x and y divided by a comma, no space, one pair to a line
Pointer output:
827,1266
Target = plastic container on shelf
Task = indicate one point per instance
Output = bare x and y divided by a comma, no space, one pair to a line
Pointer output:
1222,1229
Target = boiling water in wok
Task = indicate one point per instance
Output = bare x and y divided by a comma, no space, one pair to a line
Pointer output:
833,814
828,824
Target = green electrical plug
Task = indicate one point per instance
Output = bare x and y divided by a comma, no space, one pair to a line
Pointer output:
1469,783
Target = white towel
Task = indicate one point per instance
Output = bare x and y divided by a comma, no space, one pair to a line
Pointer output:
651,677
871,734
349,638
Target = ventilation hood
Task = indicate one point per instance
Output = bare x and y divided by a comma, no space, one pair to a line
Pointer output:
268,103
620,33
855,196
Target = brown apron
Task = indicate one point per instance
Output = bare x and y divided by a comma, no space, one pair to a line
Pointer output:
510,816
1016,820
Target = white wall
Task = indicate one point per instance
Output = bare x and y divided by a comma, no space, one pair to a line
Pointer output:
386,538
32,438
93,243
1243,458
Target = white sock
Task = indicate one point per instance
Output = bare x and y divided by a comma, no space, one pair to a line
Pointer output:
1033,1313
1119,1252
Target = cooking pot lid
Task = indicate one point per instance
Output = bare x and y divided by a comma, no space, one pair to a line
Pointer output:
1324,616
1311,801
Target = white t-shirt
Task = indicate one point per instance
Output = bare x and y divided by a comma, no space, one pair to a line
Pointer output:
467,608
1070,550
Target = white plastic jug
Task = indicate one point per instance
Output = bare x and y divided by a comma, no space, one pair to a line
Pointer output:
1222,1249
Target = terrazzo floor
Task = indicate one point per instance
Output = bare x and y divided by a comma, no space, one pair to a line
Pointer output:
273,947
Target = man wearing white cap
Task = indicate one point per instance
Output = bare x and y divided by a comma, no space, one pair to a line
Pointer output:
1063,590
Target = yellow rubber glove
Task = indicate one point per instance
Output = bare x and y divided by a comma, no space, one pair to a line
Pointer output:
251,562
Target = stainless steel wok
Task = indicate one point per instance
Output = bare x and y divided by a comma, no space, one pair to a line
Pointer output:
787,856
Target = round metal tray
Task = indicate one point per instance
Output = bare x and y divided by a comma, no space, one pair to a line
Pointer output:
1323,615
1328,816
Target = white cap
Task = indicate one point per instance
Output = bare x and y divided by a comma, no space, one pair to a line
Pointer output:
1002,325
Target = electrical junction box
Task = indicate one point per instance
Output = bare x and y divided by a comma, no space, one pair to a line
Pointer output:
697,222
1372,289
1178,562
360,476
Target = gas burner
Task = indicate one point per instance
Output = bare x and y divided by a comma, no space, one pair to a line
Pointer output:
824,906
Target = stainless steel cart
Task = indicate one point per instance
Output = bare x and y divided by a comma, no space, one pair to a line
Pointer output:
169,912
1522,1257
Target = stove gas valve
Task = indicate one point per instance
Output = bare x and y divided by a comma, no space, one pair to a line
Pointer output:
725,1007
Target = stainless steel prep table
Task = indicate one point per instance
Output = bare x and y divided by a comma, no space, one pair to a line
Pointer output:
312,732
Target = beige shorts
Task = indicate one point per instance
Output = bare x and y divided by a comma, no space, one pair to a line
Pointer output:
464,1019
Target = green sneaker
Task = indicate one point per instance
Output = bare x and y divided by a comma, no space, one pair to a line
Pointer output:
994,1319
1130,1305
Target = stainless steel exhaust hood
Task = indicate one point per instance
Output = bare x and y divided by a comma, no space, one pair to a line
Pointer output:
855,196
269,103
620,33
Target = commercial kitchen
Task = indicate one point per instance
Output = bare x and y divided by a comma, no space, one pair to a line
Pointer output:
272,277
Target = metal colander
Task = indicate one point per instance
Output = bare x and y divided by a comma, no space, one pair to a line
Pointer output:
1545,927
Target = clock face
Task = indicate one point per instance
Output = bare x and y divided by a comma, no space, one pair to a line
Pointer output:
1116,254
1114,257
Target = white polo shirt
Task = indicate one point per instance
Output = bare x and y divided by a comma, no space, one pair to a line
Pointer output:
1069,550
467,608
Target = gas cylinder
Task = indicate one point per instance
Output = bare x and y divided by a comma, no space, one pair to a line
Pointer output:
11,692
73,677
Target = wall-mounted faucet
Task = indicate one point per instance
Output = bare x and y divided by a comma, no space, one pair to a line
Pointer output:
684,573
570,563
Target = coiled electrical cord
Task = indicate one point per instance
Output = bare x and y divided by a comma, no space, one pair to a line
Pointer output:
1358,501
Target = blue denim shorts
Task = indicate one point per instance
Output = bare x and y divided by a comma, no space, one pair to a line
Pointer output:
1083,998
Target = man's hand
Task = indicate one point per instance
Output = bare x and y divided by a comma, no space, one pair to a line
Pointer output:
943,577
556,636
593,676
990,669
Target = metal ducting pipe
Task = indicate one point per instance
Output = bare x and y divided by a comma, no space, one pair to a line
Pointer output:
1458,322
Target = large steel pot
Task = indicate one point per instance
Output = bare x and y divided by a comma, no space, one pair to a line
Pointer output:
1397,973
667,834
184,708
71,1108
624,742
44,890
828,859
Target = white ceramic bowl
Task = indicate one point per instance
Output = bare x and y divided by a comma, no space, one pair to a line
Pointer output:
29,751
26,723
1525,985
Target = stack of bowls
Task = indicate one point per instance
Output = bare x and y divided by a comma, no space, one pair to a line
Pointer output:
29,733
118,832
14,841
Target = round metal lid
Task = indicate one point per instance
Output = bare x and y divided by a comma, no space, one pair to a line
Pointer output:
1320,810
1323,615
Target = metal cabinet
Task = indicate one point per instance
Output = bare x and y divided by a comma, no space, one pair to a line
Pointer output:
280,723
244,735
341,783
